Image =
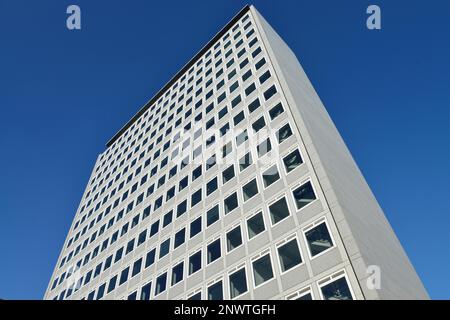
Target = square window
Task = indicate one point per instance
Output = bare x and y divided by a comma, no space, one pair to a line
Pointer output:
226,149
211,186
228,174
231,203
145,291
269,93
112,284
154,228
292,160
258,124
177,273
196,227
250,190
196,197
276,111
212,215
264,77
167,218
304,195
223,112
195,262
238,283
255,225
238,118
337,290
234,238
164,248
284,133
242,137
224,129
213,251
279,210
183,183
289,255
262,270
142,237
150,258
211,162
250,89
264,147
270,176
137,267
179,238
215,291
318,239
181,208
161,283
124,275
197,296
245,161
254,105
196,173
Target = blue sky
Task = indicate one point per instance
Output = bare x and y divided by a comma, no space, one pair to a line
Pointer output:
63,94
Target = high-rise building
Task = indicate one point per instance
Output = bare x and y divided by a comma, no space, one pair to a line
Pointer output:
232,182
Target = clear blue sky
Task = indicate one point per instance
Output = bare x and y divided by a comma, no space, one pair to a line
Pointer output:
63,94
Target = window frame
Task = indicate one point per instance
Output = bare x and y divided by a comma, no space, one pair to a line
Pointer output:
311,226
282,243
257,257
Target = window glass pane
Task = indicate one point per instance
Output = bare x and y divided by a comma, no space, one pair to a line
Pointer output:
145,291
270,92
231,203
196,227
279,210
167,218
258,124
150,258
270,176
289,255
179,238
214,251
337,290
234,238
137,267
304,195
292,160
228,174
195,262
211,186
215,292
262,270
124,275
197,296
264,147
112,284
238,283
255,225
284,133
245,161
276,111
250,189
177,273
161,283
196,197
212,215
319,239
164,248
306,296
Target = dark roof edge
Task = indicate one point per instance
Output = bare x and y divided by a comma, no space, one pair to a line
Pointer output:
186,67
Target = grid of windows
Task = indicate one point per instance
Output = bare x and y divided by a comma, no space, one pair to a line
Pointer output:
155,175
